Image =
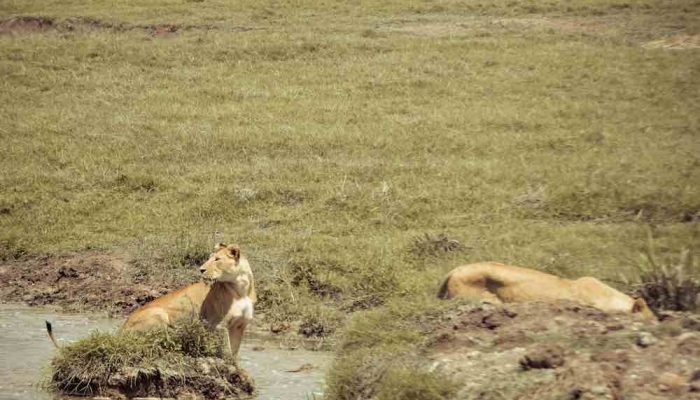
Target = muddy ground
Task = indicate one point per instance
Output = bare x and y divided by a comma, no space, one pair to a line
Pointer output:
78,282
30,24
518,351
566,351
113,283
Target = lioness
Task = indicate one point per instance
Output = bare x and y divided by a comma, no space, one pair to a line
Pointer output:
225,299
499,283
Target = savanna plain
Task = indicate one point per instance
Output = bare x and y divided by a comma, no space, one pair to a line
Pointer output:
357,151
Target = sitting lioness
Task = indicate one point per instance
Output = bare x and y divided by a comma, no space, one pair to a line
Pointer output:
499,283
225,298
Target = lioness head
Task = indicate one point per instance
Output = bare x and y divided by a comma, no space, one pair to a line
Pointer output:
222,264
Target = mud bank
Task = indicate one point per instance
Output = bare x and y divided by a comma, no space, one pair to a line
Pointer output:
566,350
461,350
77,282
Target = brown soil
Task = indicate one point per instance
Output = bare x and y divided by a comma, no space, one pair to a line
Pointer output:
76,282
27,24
566,351
109,282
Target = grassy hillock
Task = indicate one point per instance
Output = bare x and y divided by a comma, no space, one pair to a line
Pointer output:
188,359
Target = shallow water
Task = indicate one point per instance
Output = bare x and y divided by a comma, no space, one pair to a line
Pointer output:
25,350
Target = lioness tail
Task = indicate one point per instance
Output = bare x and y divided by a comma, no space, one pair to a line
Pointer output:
50,332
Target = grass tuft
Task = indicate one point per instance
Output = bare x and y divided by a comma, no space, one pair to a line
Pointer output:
671,286
379,354
432,245
152,362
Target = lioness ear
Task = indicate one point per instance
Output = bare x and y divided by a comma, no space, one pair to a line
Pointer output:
235,251
219,246
639,305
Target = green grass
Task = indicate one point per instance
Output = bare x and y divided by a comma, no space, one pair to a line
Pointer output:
381,353
331,137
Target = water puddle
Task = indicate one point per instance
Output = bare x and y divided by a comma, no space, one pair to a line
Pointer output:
25,351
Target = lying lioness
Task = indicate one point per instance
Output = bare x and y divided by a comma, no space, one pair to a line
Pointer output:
499,283
225,299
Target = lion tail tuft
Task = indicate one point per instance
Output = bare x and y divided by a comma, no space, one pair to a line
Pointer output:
49,330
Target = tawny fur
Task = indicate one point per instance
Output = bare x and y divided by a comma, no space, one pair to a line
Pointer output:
499,283
226,302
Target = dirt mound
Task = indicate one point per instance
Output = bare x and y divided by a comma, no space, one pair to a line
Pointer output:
76,282
565,350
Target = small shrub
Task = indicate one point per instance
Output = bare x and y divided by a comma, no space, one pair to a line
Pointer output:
385,373
415,384
669,287
13,248
320,322
136,183
307,274
433,245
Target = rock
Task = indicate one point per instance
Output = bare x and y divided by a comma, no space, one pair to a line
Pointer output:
302,368
694,387
542,357
614,327
485,306
674,383
599,390
688,344
686,336
646,339
279,327
492,321
509,313
696,376
620,357
691,322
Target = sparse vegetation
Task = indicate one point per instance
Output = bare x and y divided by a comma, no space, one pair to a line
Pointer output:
356,150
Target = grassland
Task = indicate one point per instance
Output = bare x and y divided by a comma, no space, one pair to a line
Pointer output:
329,138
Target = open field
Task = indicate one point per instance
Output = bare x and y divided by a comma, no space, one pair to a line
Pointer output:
356,150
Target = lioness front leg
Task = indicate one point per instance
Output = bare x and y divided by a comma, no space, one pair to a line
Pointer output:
235,335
